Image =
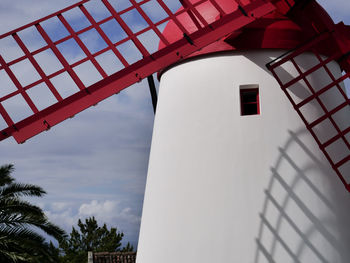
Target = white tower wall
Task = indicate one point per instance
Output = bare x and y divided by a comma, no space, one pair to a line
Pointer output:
223,187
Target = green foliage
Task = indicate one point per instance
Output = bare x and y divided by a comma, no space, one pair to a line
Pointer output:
20,221
91,237
127,248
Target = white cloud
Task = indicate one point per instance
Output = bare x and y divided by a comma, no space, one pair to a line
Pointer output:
112,212
95,208
108,211
64,219
59,206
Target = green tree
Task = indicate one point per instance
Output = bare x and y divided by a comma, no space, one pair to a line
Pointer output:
91,237
20,222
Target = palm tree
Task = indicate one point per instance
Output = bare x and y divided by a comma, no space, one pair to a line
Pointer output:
20,222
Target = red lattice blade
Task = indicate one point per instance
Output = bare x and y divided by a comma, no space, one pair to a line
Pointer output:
317,92
45,77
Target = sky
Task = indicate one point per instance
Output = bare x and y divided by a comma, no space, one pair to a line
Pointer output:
96,163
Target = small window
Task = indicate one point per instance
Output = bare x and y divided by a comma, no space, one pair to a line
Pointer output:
249,100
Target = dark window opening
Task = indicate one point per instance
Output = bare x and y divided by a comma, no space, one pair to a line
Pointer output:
249,101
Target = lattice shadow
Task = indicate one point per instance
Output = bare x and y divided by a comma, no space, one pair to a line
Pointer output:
297,231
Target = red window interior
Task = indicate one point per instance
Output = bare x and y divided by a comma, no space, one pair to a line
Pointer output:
249,101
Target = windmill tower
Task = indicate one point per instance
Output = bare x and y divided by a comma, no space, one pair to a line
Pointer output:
234,176
240,170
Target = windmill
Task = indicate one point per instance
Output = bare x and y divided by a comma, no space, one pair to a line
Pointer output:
218,157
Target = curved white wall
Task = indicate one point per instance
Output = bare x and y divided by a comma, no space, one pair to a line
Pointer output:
228,188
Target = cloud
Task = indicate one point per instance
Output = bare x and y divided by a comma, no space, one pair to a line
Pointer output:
112,212
64,219
107,211
95,208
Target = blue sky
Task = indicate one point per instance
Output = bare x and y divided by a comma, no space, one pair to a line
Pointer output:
96,163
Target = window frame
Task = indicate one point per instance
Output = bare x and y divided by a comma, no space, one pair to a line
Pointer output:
249,89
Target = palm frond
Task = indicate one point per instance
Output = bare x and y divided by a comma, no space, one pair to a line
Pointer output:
5,174
17,206
41,223
20,222
19,190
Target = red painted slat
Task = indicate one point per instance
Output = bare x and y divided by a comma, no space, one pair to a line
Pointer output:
149,21
323,90
37,67
318,99
309,71
18,85
35,52
60,57
335,138
330,74
192,12
5,116
43,19
82,46
126,28
104,36
172,17
217,7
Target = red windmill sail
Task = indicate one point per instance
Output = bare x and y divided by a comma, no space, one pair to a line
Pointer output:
331,40
87,95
